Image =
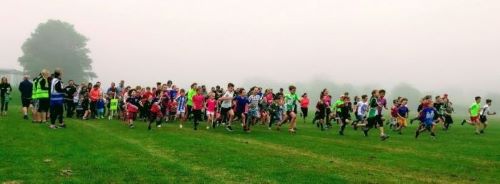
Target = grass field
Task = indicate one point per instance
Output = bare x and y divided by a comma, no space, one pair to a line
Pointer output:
102,151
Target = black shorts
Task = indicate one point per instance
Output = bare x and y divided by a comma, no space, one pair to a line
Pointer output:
26,102
239,114
44,104
483,119
373,121
224,111
320,114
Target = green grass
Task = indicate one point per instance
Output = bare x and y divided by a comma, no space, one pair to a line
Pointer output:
102,151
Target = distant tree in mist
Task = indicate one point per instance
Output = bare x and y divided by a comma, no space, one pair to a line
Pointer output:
56,44
407,91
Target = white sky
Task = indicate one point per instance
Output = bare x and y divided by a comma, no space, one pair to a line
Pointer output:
427,43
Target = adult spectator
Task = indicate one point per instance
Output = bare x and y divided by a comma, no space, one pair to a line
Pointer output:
94,96
56,100
26,89
5,90
69,95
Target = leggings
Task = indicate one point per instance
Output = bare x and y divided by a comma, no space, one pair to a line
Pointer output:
56,112
4,104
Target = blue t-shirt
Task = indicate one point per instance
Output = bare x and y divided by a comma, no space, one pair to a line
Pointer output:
173,94
241,102
428,115
181,103
100,104
403,110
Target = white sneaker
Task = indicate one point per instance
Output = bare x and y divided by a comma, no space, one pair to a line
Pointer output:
208,127
180,126
159,126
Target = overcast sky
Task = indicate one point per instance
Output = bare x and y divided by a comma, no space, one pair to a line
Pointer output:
428,43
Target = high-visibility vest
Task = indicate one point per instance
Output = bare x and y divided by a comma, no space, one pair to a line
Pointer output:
113,104
34,94
42,93
56,98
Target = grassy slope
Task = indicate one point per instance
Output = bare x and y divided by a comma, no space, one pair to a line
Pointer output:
102,151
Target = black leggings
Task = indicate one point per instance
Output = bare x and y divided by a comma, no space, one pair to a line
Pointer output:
56,112
4,105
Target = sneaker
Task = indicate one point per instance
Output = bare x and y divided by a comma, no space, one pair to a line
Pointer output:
292,131
131,126
228,128
159,126
62,125
365,132
463,122
208,127
25,117
52,127
341,133
180,126
384,137
481,132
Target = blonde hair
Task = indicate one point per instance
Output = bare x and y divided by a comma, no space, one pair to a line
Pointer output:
45,73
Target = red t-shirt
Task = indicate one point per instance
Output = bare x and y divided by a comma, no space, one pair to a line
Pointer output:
304,103
198,102
211,103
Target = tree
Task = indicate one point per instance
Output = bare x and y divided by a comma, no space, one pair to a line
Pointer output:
407,91
56,44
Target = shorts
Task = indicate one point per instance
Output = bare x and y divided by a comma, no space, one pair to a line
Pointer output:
132,116
483,119
254,113
360,117
320,114
210,113
26,102
181,111
428,124
402,122
224,111
36,104
376,120
43,105
474,119
239,114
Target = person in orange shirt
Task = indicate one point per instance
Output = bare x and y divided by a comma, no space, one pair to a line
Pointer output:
304,106
95,92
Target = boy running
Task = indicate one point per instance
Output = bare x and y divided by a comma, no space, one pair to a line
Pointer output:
474,115
485,112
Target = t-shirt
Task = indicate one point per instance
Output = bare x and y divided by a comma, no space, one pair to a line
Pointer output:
198,102
428,115
362,108
327,100
337,105
227,103
383,103
181,103
291,100
190,95
373,107
211,103
254,102
241,102
403,110
474,109
485,110
304,102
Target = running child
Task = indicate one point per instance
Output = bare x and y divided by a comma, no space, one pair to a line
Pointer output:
211,105
402,113
226,110
133,104
485,112
198,102
291,100
374,116
181,107
474,115
304,106
428,124
241,104
253,107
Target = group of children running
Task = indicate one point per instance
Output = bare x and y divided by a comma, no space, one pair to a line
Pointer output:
219,107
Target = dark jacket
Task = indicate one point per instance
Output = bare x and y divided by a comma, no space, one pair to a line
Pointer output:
26,89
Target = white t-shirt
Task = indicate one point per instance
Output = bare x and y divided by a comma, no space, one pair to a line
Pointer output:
227,103
362,108
485,110
254,101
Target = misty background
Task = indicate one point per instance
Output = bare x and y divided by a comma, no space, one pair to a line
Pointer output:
410,48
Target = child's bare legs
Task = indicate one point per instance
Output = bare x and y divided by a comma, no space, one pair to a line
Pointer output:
293,119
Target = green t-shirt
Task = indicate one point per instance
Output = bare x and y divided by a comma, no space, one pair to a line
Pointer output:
291,100
336,104
373,108
190,95
113,104
474,109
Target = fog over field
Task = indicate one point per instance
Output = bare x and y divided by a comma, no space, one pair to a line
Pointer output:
435,46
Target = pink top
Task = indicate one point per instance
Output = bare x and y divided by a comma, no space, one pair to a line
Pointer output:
198,102
211,103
